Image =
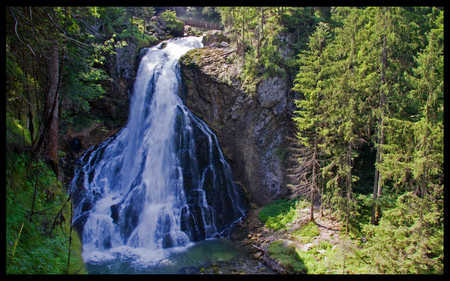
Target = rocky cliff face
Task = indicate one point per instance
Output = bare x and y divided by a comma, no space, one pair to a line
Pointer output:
251,128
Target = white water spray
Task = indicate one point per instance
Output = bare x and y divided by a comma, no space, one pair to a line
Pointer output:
162,182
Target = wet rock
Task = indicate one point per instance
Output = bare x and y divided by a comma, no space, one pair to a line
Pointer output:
189,270
76,145
167,241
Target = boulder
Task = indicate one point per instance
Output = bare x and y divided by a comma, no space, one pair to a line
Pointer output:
215,36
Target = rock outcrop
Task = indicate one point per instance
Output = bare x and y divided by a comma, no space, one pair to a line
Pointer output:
251,128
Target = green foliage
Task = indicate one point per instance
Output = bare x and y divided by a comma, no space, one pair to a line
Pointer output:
37,238
286,255
15,132
138,37
259,34
211,14
372,81
280,221
275,209
311,110
314,259
175,26
83,51
308,231
408,239
279,213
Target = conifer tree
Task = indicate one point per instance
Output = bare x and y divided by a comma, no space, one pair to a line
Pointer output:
345,105
428,86
413,156
310,117
382,65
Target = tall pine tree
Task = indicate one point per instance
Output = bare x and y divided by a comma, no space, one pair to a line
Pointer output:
307,173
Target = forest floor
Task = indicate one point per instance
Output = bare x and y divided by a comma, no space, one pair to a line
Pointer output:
260,237
329,229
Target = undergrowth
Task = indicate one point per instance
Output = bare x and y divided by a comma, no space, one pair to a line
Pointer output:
286,255
278,214
38,221
274,209
307,232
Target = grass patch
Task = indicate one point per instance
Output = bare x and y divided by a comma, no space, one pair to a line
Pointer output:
280,221
279,213
274,209
307,232
286,255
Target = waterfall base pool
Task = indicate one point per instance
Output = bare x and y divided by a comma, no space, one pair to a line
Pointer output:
215,256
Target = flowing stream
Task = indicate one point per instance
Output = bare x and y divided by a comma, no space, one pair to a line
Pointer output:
160,188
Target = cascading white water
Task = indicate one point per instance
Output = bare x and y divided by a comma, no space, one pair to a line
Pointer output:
162,182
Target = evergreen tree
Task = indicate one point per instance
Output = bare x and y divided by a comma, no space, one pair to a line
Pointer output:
407,241
310,112
382,64
428,85
346,106
414,148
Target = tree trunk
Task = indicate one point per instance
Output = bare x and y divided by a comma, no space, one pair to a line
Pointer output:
314,183
321,197
52,109
260,34
377,188
349,184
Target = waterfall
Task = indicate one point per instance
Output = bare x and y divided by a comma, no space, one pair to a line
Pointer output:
162,182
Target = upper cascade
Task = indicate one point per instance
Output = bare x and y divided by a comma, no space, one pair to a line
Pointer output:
162,182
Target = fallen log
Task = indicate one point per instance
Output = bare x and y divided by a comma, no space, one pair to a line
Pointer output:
271,263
